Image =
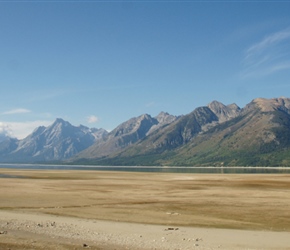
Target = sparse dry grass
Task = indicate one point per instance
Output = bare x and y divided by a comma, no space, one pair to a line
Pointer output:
211,200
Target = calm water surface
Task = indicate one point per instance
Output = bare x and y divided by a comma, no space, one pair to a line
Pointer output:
204,170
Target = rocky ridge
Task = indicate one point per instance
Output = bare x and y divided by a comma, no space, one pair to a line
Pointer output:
126,134
216,134
59,141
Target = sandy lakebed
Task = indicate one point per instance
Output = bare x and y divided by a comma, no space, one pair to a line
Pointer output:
74,209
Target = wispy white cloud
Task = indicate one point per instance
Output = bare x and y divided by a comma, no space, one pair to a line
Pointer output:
21,129
92,119
267,70
5,130
268,56
16,111
281,66
268,42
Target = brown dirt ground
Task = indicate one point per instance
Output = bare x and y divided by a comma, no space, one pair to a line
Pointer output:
224,201
257,201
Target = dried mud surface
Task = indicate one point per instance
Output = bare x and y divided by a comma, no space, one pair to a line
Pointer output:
46,209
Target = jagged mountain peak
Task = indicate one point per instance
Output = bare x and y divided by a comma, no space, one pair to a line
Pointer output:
233,106
131,125
58,141
245,137
215,103
223,112
268,105
124,135
162,113
60,121
144,116
208,135
83,128
59,128
164,117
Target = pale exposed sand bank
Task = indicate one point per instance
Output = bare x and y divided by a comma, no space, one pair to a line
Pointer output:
115,210
73,232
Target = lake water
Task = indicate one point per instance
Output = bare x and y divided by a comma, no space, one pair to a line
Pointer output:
200,170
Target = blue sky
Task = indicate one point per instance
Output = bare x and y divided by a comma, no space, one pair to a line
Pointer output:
100,63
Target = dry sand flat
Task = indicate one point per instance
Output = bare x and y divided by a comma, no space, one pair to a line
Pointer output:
190,211
71,233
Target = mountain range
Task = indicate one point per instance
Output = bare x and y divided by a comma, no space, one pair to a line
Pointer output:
212,135
56,142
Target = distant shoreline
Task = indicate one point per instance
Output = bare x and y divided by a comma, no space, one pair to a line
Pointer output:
157,169
153,169
103,166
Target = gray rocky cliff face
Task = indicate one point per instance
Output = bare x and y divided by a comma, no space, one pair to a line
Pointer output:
59,141
184,129
163,119
126,134
262,126
7,146
223,112
139,125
